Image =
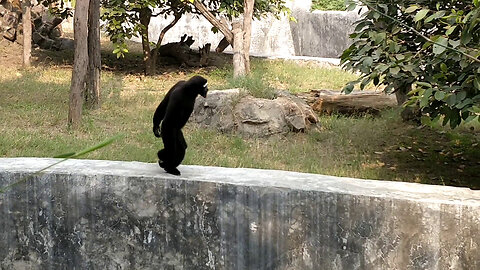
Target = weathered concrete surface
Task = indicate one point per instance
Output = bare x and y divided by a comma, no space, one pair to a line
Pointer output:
322,33
86,214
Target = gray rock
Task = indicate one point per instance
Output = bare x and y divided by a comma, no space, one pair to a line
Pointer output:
259,117
64,44
234,111
216,111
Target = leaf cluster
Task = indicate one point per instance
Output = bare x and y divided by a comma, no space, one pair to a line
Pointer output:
431,46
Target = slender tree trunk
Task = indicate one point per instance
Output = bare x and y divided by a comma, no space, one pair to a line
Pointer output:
408,113
80,63
401,91
238,56
27,32
145,16
247,31
161,36
222,45
92,93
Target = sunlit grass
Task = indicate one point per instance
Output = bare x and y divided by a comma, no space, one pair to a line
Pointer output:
34,109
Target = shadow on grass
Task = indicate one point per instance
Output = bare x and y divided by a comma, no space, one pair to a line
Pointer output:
131,63
430,156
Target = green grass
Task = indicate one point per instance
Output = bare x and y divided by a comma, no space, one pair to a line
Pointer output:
34,108
328,5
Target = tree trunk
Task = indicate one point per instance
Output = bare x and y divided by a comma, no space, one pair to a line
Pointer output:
80,62
238,56
92,93
408,113
145,16
401,92
214,21
160,37
222,45
27,32
247,31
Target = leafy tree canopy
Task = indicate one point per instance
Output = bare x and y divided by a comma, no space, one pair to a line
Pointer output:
429,49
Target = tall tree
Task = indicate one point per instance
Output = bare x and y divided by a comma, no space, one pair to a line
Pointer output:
92,93
27,32
80,62
238,50
240,36
247,31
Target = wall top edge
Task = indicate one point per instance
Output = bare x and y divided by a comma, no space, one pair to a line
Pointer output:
250,178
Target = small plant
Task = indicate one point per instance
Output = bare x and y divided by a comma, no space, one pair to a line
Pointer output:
62,157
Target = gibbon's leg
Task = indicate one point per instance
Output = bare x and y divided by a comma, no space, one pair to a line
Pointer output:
180,149
161,154
169,154
169,146
183,143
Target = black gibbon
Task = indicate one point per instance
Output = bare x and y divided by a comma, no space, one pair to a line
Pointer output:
173,113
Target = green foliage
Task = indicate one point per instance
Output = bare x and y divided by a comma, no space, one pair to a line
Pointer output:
432,47
123,19
234,8
328,5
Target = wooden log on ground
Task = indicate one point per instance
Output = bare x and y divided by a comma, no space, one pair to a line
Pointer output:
328,102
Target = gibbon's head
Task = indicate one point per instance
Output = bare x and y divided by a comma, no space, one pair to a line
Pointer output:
199,84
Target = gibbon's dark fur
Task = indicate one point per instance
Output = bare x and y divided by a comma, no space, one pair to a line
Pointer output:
173,112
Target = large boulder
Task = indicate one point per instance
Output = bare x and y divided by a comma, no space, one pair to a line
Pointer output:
234,111
216,111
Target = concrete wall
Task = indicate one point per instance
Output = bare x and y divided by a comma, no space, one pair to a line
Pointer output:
85,214
318,34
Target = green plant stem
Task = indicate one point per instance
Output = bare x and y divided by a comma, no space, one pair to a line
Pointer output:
418,33
65,157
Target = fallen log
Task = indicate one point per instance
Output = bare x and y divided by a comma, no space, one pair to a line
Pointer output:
328,102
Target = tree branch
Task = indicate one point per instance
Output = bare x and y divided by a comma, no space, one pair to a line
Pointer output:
214,21
168,27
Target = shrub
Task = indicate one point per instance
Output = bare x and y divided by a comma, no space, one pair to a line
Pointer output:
428,49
